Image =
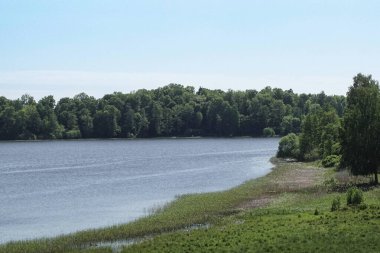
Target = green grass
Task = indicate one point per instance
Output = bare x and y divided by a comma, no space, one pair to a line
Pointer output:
224,210
289,225
343,231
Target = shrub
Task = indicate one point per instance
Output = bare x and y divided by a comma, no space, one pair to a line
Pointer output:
330,183
331,161
335,204
268,132
354,196
289,146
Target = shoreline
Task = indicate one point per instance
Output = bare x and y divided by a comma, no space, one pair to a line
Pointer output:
292,193
146,138
213,204
152,210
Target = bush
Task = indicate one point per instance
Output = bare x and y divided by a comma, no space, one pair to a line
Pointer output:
331,161
354,196
335,204
330,183
268,132
289,146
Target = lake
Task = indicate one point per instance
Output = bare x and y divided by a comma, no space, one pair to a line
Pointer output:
52,187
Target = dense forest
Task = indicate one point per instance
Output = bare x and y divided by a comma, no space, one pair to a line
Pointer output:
172,110
349,140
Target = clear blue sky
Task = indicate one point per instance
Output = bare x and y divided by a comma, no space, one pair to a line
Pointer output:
69,46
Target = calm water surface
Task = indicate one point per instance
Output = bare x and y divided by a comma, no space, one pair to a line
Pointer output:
53,187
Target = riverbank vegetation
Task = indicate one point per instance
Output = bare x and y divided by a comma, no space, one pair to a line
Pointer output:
172,110
288,210
351,140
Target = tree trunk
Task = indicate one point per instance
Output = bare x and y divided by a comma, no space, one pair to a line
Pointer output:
376,178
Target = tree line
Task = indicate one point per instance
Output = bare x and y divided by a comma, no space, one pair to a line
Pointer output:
172,110
349,140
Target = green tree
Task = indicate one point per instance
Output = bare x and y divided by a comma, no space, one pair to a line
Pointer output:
361,127
230,120
330,125
289,146
290,124
50,127
155,122
268,132
8,123
85,123
128,127
106,122
311,133
32,124
142,124
277,113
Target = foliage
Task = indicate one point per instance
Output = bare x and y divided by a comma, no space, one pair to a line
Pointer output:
172,110
335,206
268,132
72,134
331,161
352,141
354,196
289,146
330,183
361,127
320,133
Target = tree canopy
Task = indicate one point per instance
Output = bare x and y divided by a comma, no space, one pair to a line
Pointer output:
172,110
361,127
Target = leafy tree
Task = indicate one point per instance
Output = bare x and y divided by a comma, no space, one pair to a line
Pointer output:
268,132
49,125
156,115
290,124
361,127
85,123
8,123
198,119
230,120
172,110
105,122
31,121
330,126
277,113
289,146
310,136
128,127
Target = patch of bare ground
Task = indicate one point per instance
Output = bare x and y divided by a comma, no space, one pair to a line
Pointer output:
287,176
260,201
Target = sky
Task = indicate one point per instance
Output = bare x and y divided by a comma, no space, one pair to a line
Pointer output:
64,47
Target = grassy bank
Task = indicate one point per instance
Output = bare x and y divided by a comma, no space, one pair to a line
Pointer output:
271,211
